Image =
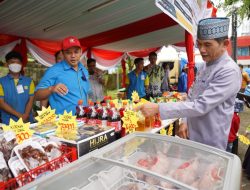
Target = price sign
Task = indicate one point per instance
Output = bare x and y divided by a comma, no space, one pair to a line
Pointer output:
21,130
46,115
244,139
135,97
66,126
130,120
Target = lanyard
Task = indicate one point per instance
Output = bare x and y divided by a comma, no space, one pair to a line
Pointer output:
79,82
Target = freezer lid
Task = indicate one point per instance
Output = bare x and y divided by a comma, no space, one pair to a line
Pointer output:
92,174
147,162
191,163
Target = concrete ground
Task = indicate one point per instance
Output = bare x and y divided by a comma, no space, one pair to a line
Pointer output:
244,122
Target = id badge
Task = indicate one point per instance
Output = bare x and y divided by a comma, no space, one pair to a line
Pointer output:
20,89
142,77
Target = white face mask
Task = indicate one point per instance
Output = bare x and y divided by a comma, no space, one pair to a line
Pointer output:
15,67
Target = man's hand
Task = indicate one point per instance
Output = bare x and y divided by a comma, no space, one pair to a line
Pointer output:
148,109
60,89
25,117
183,131
100,80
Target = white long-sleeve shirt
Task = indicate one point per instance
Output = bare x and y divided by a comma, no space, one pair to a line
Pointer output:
210,103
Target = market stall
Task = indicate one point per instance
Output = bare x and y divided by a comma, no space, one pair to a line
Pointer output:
55,141
70,137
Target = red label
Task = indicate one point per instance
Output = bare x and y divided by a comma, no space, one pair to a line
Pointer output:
84,119
98,122
115,124
92,121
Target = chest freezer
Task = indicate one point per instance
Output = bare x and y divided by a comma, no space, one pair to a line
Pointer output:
148,161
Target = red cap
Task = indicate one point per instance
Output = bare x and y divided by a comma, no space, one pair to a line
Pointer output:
69,42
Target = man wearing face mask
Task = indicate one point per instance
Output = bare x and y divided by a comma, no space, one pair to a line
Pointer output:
16,92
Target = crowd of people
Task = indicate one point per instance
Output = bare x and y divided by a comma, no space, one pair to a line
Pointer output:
68,81
207,112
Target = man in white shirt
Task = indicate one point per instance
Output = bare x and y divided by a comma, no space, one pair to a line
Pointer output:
96,80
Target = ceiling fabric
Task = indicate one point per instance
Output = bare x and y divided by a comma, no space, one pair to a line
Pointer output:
107,29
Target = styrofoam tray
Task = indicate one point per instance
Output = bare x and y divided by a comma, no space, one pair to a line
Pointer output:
34,144
14,165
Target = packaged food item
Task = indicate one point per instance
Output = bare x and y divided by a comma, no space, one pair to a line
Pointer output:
157,121
7,143
17,168
140,122
52,151
4,170
114,120
45,128
98,105
39,139
102,113
31,154
92,114
122,108
89,130
149,122
81,111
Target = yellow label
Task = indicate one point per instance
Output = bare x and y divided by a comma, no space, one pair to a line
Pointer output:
163,131
135,96
144,101
46,115
244,139
130,120
21,130
66,126
98,141
170,130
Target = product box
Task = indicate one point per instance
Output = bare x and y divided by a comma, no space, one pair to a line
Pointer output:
43,130
89,138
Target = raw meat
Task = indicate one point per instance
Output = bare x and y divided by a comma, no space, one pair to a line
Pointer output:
187,172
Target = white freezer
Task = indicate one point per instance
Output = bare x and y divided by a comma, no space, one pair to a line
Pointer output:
148,161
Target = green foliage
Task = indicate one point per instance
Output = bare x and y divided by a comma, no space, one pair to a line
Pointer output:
243,10
130,64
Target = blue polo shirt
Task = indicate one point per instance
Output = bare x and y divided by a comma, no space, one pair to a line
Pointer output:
136,83
76,81
15,95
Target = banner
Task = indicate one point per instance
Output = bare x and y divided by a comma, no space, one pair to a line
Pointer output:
187,13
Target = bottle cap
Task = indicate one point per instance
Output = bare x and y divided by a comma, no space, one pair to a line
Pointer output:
80,102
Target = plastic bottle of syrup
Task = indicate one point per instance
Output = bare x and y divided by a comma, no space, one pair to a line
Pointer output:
114,120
